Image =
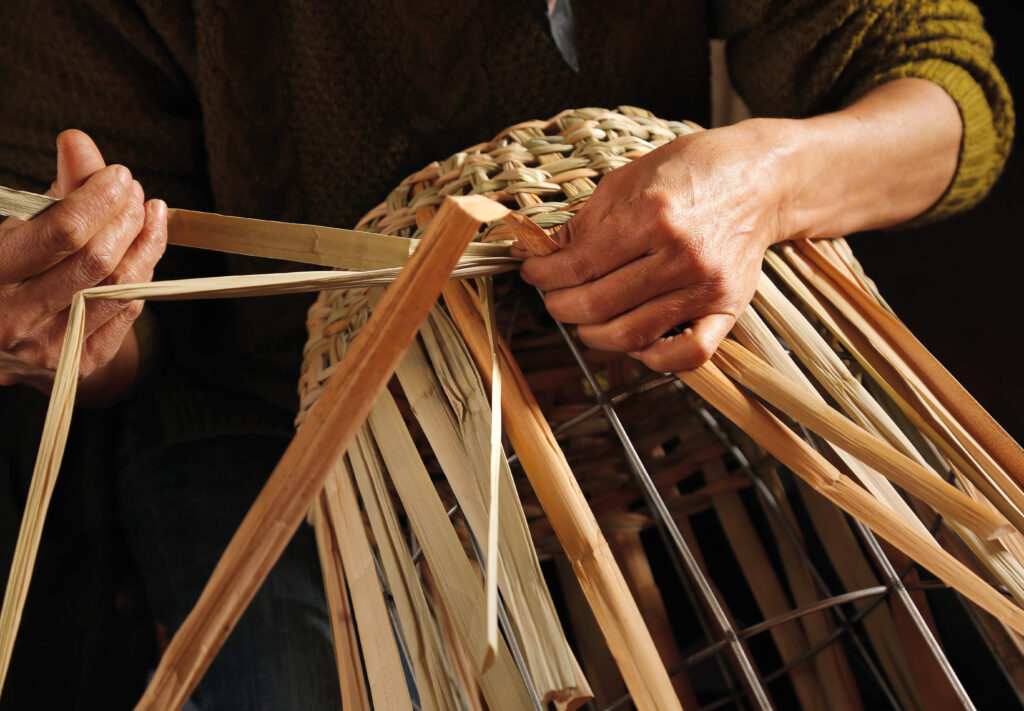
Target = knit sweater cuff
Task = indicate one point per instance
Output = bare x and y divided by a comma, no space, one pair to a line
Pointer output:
982,153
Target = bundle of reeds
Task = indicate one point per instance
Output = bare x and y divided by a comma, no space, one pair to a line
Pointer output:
431,538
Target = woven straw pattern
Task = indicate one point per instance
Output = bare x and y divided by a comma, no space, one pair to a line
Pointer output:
546,170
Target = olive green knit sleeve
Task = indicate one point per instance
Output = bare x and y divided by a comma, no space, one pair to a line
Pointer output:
803,57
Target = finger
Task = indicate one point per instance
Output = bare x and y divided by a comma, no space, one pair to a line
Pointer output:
105,341
102,345
51,292
591,252
642,326
141,258
34,246
689,349
77,159
616,293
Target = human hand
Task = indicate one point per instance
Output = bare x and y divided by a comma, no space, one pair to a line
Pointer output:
102,232
674,239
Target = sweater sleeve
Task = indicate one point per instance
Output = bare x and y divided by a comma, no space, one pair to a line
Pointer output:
802,57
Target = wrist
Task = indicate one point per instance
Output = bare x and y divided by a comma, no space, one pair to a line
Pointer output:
779,171
880,161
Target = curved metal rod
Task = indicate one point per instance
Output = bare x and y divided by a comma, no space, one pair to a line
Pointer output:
667,524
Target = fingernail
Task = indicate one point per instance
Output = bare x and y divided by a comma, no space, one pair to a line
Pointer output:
137,190
124,175
159,209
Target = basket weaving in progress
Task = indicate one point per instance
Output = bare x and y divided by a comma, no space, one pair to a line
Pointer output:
664,541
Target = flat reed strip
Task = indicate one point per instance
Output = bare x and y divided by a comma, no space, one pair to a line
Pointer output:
570,515
833,530
308,244
354,695
444,390
44,479
890,340
388,688
753,373
856,573
975,420
712,385
321,441
461,591
790,639
486,290
23,205
435,679
886,368
817,359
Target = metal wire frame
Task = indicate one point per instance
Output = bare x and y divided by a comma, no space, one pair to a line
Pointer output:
681,553
694,581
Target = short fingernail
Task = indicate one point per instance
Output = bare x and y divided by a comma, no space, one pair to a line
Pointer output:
159,209
123,175
137,191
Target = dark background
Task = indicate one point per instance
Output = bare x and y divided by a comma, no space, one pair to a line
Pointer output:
958,284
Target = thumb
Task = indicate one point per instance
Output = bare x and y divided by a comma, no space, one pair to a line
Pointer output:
77,159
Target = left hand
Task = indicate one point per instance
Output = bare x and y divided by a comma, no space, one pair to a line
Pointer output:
673,239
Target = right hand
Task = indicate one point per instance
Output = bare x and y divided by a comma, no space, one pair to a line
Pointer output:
102,232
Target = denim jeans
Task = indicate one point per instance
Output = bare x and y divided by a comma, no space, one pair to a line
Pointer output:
180,505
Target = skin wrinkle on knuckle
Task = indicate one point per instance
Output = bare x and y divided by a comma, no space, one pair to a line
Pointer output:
133,310
64,233
580,268
96,262
16,331
591,308
109,192
630,337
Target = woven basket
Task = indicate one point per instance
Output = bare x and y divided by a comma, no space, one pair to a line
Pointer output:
812,595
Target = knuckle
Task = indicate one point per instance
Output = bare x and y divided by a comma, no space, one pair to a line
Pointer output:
109,192
132,310
590,308
708,274
134,216
65,232
660,207
581,269
97,263
629,337
701,350
716,288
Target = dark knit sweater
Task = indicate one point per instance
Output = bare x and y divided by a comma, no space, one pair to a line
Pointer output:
311,111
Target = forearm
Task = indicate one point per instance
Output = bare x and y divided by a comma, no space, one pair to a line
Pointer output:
880,161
